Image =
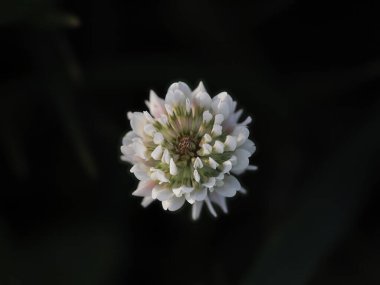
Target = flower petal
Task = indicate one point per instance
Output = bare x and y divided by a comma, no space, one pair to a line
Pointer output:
199,194
222,104
242,161
161,193
146,201
210,207
140,171
173,204
172,167
155,105
196,210
144,188
241,133
230,186
219,200
138,122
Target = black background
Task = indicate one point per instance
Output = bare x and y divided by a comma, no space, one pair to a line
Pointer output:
306,71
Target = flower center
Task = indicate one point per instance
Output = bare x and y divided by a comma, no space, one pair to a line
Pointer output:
186,146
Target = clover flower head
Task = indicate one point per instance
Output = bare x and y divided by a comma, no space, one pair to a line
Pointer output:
188,148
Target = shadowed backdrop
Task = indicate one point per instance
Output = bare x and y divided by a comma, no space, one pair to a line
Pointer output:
308,74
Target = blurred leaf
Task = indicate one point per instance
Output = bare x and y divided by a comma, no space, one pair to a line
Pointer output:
35,13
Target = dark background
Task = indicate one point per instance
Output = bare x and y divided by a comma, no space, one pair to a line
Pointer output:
308,73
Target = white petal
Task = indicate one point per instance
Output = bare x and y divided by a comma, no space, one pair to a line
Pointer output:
199,194
138,122
166,157
218,119
219,200
207,116
233,160
158,138
216,130
249,146
128,138
206,149
169,109
140,171
222,104
200,88
196,175
202,99
163,120
243,190
230,143
157,153
161,193
155,104
210,182
173,204
175,98
241,133
242,161
146,201
207,138
144,188
150,130
247,121
210,207
182,190
218,147
230,186
181,86
196,210
148,117
139,148
213,164
157,174
198,163
188,105
172,167
227,166
252,167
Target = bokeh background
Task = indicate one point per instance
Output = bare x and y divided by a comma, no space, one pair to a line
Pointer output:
308,72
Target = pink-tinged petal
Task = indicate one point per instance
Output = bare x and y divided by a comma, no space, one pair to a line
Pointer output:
155,105
147,201
144,188
173,204
196,210
230,186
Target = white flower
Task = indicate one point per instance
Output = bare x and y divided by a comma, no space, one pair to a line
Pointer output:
188,149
